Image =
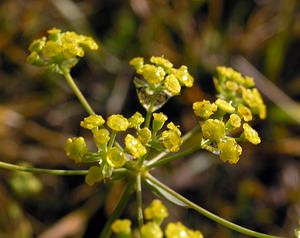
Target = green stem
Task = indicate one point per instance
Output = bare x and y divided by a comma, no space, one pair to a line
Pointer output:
106,232
139,200
112,139
117,173
206,213
189,134
42,171
77,92
148,117
170,157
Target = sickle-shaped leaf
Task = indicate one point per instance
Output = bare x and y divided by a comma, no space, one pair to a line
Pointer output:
164,194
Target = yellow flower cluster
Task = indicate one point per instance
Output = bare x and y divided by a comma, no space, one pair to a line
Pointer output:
110,155
60,50
237,102
160,80
155,214
240,90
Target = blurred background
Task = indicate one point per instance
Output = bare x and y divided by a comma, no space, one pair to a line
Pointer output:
38,111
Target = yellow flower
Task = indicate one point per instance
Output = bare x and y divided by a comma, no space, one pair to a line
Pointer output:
176,230
225,106
183,76
151,230
152,74
37,45
135,147
213,129
204,109
159,120
161,61
137,62
231,86
249,82
121,226
250,134
194,234
235,120
101,137
94,175
156,211
117,122
115,157
174,128
229,150
172,85
171,138
76,148
244,112
145,135
136,120
254,100
92,122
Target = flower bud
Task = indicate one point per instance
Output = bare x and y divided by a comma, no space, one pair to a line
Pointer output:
76,148
172,85
244,112
94,175
250,134
235,120
135,146
122,227
161,61
101,137
137,62
229,150
176,230
157,211
224,106
115,157
136,120
159,120
213,129
117,122
204,109
171,138
151,230
152,74
183,76
145,135
92,122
